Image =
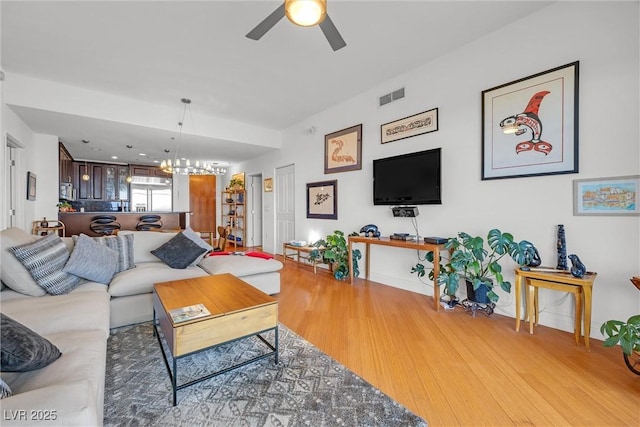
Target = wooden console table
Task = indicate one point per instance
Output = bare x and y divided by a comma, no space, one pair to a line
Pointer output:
560,281
407,244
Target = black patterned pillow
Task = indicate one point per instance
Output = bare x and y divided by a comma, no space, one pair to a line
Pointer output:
44,259
179,252
91,260
22,349
123,245
5,391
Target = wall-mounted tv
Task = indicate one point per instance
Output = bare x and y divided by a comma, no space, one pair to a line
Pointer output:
408,179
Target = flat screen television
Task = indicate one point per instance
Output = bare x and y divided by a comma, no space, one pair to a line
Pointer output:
408,179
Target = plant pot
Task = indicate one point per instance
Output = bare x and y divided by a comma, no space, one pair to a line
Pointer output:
477,295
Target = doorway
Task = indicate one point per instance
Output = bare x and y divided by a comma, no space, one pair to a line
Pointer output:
285,206
202,204
254,205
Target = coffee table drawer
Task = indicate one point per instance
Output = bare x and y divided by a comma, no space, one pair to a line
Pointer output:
206,333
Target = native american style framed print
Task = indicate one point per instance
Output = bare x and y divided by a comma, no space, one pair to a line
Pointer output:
606,196
343,150
417,124
322,200
530,126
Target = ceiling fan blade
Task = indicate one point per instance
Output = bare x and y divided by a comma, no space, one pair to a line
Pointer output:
268,23
331,33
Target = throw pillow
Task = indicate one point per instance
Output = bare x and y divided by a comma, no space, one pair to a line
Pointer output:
259,255
178,252
44,259
22,349
197,239
13,273
91,260
5,391
123,245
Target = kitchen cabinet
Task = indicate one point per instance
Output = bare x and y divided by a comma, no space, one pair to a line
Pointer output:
116,186
93,189
143,170
65,164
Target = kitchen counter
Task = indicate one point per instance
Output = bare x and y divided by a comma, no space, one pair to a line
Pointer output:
79,222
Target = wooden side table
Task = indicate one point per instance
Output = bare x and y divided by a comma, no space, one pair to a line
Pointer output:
55,226
297,257
581,288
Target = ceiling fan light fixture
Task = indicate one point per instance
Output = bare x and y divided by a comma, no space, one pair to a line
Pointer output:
305,13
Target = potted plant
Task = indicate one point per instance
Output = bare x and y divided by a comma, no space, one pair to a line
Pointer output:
627,334
334,250
478,266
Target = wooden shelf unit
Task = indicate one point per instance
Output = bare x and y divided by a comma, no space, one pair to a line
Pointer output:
233,215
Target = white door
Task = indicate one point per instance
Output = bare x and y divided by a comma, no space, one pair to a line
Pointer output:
254,217
285,206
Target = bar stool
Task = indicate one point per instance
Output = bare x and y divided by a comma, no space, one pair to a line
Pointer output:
104,224
149,222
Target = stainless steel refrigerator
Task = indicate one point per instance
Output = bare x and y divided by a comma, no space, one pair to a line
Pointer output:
151,194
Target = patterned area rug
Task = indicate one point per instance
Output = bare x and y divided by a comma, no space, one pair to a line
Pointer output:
306,388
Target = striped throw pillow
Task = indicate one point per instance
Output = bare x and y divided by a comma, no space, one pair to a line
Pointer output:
122,244
44,259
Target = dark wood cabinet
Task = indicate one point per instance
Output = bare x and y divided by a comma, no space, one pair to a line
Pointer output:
94,187
65,164
143,170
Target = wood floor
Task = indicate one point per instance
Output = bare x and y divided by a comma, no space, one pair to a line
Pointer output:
453,369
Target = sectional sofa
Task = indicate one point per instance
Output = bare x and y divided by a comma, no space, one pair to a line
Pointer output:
78,322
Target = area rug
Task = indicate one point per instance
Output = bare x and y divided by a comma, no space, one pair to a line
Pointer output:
306,387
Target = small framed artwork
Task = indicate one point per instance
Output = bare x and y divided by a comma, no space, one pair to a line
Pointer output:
417,124
238,177
31,186
530,126
343,150
322,200
606,196
268,185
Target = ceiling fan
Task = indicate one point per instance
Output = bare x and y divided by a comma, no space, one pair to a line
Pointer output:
304,13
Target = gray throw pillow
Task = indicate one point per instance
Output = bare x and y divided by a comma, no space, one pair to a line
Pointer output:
178,252
92,261
22,349
44,259
195,237
123,244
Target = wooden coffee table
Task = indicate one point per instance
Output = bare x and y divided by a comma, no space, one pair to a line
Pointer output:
237,310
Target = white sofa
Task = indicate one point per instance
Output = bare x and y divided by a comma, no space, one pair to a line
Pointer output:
130,290
78,324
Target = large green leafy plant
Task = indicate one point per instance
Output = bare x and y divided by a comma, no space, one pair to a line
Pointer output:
627,334
471,261
334,250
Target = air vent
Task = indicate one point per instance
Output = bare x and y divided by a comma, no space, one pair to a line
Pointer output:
385,99
390,97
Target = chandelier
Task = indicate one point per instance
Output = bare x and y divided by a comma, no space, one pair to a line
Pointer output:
183,166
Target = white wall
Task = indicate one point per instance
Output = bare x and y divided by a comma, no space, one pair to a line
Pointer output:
603,36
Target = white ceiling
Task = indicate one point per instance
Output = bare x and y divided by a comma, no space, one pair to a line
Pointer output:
160,52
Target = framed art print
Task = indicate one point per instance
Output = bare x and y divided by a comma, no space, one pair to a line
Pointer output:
417,124
530,126
322,200
268,185
343,150
606,196
31,186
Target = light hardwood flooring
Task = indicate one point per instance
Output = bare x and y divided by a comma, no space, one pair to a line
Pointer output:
453,369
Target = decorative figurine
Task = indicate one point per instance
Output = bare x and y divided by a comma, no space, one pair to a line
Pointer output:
370,230
533,257
578,269
562,249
